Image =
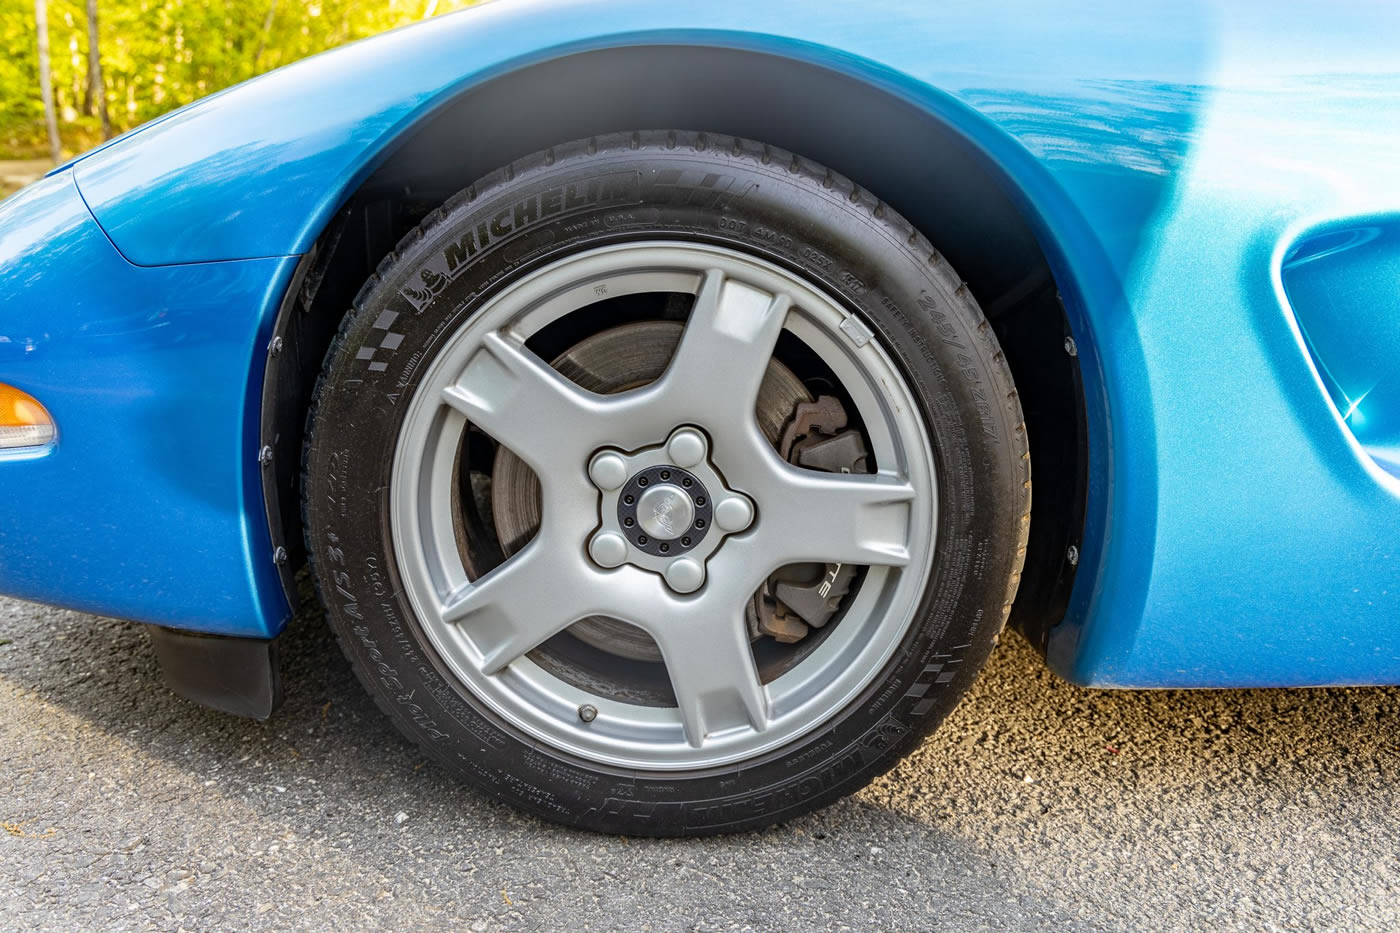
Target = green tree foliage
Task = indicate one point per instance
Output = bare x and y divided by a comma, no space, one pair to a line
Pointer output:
161,54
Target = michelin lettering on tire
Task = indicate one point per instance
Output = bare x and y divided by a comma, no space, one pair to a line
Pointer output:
679,198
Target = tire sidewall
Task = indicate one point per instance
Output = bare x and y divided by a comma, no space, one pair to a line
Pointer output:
821,228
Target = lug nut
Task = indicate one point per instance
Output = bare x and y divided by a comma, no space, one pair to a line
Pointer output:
588,712
608,549
608,471
734,514
686,447
685,575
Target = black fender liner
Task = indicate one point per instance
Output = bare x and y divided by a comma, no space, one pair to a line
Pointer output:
903,155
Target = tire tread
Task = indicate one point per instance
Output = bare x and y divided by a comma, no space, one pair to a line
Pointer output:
824,183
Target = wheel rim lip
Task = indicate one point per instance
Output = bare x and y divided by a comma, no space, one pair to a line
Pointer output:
626,735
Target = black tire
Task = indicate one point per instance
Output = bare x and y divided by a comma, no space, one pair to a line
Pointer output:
791,212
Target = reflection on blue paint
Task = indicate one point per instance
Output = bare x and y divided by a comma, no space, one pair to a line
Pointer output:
1166,154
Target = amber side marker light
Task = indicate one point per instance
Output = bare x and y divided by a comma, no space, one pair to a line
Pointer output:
23,421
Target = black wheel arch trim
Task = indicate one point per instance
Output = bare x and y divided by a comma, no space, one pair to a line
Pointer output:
1021,299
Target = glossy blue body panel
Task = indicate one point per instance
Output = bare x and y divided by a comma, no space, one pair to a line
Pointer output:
144,507
1170,157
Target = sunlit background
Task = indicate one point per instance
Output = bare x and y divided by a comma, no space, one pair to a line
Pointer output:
114,64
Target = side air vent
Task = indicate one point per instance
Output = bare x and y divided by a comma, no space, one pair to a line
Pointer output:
1344,287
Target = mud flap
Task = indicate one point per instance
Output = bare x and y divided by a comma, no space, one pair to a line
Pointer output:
241,676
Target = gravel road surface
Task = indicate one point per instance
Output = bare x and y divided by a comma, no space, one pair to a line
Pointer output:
1037,806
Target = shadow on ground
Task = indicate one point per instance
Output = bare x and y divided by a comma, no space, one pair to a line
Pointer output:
1037,805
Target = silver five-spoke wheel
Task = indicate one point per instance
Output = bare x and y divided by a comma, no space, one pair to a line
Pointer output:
664,507
665,483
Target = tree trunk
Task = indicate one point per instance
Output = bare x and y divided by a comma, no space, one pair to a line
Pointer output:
41,19
262,37
96,86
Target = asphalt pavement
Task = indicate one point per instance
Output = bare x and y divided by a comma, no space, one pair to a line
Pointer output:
1037,806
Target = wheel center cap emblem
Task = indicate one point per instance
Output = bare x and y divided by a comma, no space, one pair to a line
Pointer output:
665,512
664,509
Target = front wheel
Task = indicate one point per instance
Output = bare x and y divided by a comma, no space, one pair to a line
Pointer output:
663,483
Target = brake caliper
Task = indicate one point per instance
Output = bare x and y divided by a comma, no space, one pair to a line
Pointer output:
800,597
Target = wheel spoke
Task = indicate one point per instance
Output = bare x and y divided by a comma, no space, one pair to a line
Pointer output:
513,395
683,399
724,352
835,517
518,605
712,672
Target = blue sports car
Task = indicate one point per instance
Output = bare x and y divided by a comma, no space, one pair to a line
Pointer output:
655,391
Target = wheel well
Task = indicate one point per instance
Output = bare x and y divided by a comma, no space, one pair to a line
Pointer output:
908,158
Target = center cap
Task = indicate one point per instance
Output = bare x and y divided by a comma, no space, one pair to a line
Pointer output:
665,512
664,509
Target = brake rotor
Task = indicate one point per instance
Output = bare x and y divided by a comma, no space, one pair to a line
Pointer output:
616,360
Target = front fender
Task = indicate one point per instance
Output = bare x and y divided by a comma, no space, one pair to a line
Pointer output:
259,170
1162,151
145,507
